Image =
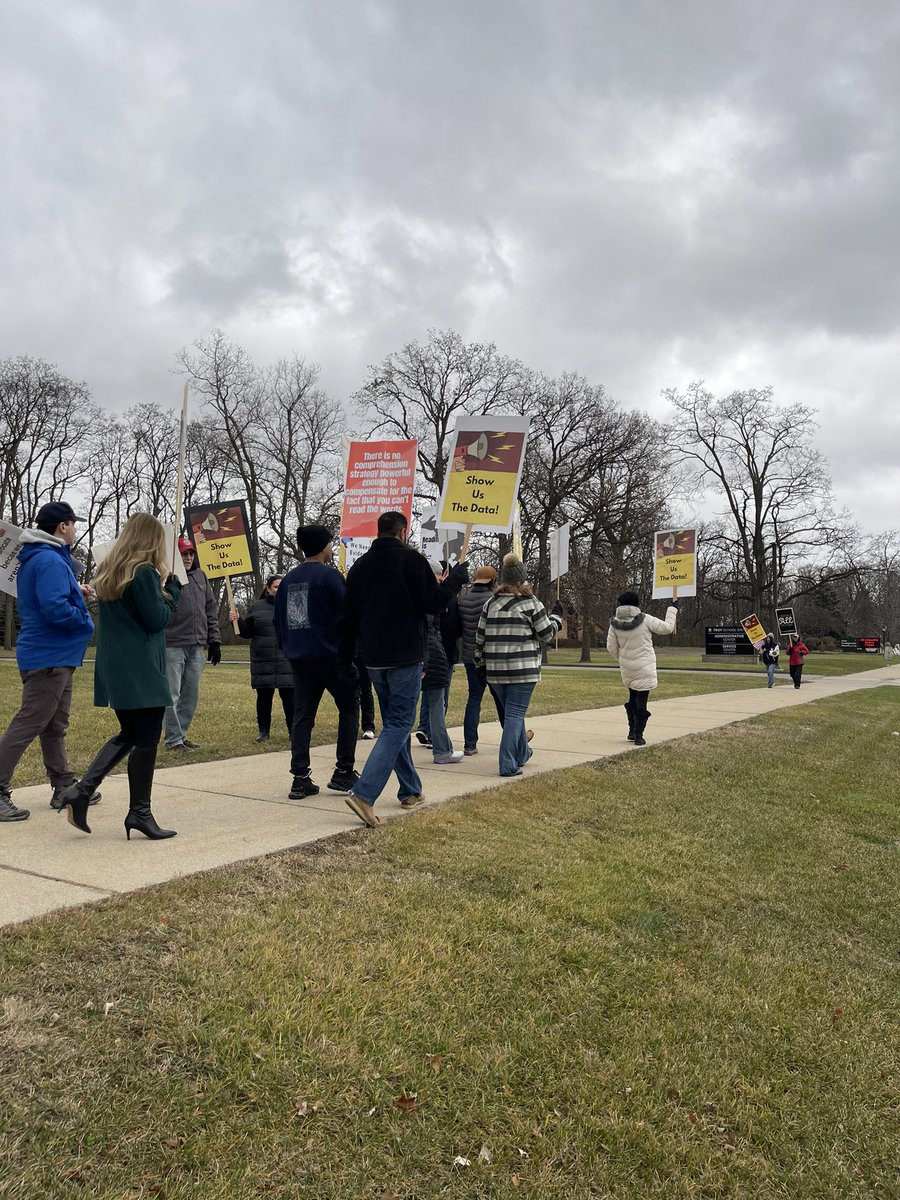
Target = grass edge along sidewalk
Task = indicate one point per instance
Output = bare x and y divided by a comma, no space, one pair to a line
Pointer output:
672,974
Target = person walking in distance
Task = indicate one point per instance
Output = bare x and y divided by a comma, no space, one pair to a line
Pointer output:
55,630
390,591
130,669
269,669
307,606
511,631
630,642
797,651
768,654
192,640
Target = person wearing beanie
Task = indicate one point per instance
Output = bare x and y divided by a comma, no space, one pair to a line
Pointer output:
307,607
511,630
630,642
192,639
269,669
55,630
390,591
471,603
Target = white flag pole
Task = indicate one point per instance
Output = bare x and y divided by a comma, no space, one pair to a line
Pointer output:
179,485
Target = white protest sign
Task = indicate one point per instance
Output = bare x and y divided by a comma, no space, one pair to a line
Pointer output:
351,550
9,557
101,549
559,551
439,543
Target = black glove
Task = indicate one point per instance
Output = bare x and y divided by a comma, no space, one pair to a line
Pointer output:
460,572
173,585
557,610
214,653
481,672
673,603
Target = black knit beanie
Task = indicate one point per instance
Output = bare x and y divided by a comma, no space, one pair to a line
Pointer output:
312,539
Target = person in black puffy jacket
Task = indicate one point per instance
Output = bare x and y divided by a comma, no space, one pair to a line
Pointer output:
437,672
269,669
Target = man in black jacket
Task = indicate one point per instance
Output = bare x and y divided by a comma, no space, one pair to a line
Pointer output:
390,590
192,639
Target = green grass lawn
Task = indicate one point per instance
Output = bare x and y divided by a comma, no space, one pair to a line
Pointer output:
690,657
225,724
671,975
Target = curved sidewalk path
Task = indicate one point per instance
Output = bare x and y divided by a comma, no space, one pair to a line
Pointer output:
237,808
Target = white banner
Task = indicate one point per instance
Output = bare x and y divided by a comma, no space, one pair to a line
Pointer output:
559,551
9,557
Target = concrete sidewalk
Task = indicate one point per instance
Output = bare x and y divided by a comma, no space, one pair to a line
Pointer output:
237,809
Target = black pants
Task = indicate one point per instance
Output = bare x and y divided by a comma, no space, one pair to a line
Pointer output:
313,677
264,698
366,698
139,726
638,701
795,673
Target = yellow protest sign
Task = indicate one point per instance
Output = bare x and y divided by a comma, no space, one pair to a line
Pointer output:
483,472
220,533
754,630
674,563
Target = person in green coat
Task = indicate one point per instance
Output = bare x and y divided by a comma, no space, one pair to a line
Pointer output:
130,669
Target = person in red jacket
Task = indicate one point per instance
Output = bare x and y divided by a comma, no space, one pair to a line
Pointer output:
796,653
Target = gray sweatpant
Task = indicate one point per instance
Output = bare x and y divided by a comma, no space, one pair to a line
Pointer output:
46,700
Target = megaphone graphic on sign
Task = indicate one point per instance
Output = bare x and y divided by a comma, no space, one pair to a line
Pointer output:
211,525
669,543
479,448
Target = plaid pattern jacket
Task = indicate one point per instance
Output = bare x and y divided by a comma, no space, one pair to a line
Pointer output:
509,636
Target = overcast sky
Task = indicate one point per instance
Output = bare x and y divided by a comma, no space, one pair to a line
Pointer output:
643,191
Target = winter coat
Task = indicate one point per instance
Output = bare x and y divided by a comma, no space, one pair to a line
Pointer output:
451,631
796,651
130,667
470,605
630,641
437,667
390,590
196,620
770,652
308,606
55,623
268,666
509,636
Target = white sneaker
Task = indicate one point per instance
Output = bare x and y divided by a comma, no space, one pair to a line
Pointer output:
368,735
446,759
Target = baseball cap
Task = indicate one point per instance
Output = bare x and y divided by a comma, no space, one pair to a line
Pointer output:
55,513
185,545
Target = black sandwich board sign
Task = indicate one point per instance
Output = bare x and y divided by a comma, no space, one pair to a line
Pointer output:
785,619
728,639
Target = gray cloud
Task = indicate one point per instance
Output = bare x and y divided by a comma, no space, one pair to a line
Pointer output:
646,193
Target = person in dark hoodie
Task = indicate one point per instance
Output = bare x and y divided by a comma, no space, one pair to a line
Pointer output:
307,606
630,642
390,591
55,630
192,640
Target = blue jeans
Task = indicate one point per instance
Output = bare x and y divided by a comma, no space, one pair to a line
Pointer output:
424,725
397,689
514,748
770,669
184,666
473,707
436,699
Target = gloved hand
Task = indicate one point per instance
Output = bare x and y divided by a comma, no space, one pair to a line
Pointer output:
214,653
557,610
173,584
481,672
460,572
673,603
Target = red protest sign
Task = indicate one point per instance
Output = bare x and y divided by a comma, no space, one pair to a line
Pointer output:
380,478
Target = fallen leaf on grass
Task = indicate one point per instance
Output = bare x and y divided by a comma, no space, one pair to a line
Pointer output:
514,1179
459,1161
836,1016
108,1007
484,1155
435,1060
408,1104
693,1118
301,1107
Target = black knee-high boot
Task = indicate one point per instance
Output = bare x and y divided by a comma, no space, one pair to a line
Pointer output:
141,764
629,708
639,727
76,799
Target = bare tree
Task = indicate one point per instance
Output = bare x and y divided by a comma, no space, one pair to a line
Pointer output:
420,391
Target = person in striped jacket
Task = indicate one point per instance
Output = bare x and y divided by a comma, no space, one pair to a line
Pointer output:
511,629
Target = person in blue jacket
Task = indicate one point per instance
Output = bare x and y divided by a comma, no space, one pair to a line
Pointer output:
55,630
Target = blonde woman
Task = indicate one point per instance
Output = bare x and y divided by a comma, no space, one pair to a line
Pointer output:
136,605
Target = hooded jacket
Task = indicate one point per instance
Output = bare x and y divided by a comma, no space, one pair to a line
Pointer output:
471,605
196,620
630,641
56,625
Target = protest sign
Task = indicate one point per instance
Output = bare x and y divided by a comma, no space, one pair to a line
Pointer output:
221,536
754,630
351,549
380,477
483,473
674,563
785,619
9,557
437,543
559,551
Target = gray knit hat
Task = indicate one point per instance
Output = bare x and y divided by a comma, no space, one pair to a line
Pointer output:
513,570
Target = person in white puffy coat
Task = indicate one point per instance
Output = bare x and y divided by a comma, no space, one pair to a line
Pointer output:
630,642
